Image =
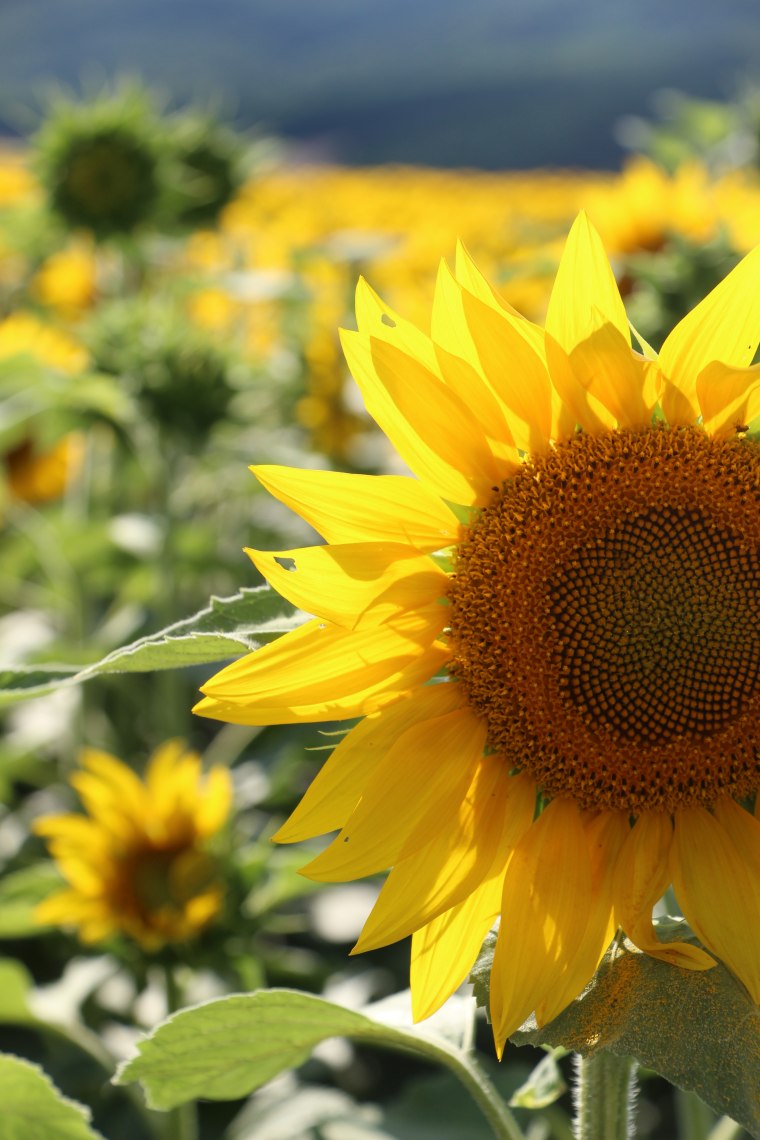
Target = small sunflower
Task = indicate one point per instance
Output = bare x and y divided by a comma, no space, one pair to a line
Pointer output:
138,862
41,475
552,635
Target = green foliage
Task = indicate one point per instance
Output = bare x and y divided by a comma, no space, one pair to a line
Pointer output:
182,379
224,629
699,1030
20,891
33,1109
249,1038
544,1085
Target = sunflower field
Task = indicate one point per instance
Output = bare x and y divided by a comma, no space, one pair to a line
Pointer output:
484,612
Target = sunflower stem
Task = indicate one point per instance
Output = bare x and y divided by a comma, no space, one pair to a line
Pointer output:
605,1097
182,1121
503,1124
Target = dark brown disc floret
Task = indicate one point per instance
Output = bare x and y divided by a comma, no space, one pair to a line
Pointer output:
605,618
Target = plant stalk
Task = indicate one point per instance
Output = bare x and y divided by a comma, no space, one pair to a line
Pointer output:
605,1097
182,1121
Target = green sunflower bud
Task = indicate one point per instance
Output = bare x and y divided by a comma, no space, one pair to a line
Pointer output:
208,170
98,161
183,380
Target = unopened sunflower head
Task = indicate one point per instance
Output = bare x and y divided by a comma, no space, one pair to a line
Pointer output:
138,862
561,608
183,377
99,161
207,170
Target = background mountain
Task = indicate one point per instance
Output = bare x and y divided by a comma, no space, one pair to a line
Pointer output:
490,83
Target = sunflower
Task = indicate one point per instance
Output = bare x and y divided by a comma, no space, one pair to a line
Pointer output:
35,475
137,863
551,634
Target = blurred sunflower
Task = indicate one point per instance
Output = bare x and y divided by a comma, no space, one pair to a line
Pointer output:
37,469
40,475
559,674
99,161
138,862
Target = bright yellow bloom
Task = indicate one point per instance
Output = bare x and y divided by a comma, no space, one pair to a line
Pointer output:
645,206
587,639
24,333
138,862
35,475
67,280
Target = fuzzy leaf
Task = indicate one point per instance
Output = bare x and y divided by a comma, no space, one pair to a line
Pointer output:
699,1030
226,628
224,1049
34,1109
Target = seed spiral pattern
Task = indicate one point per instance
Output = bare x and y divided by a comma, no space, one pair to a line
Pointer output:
605,618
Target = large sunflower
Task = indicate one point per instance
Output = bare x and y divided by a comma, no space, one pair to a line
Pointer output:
560,699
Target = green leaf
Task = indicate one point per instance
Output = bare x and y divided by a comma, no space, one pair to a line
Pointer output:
34,1109
544,1085
480,975
15,984
225,1049
20,892
699,1030
226,628
16,987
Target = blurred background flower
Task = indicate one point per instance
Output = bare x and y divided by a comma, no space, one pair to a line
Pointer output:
138,863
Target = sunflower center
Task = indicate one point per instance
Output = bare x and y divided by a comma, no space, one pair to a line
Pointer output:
605,618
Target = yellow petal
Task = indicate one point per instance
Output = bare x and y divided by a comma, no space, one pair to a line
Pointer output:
363,508
355,584
470,278
160,773
544,911
606,366
729,398
375,318
716,877
606,834
214,802
335,790
112,800
514,370
69,908
579,405
641,878
460,368
78,831
422,778
725,326
117,783
83,870
444,951
429,426
171,779
322,672
584,283
469,848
